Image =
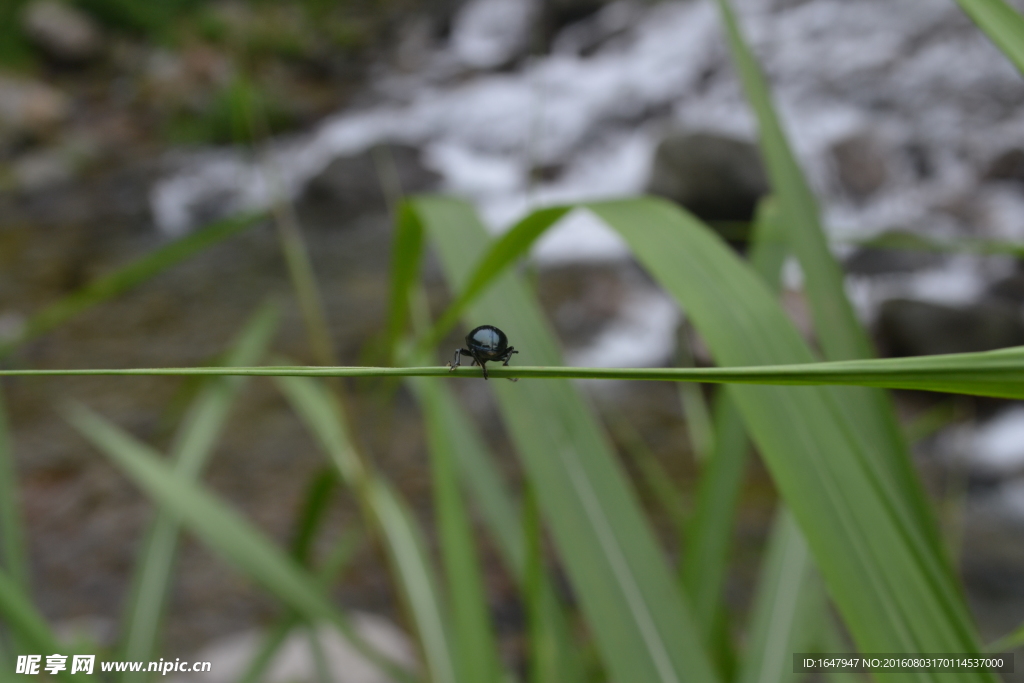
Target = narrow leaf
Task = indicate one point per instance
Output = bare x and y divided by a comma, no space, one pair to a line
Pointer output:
633,607
221,529
189,453
1003,25
320,411
127,278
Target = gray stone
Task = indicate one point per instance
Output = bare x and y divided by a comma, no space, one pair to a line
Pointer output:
860,164
62,32
1009,289
918,328
718,178
295,660
30,107
892,252
352,185
1007,166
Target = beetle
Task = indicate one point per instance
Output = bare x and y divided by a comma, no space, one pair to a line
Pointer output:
486,343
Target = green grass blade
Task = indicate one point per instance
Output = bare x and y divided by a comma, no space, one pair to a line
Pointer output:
838,331
407,552
12,541
1011,641
318,496
505,250
998,374
189,453
652,473
894,589
475,647
705,559
319,409
633,606
788,598
405,270
339,558
127,278
225,532
25,621
1003,25
497,507
709,532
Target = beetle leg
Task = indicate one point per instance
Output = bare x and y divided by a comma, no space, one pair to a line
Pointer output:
507,357
456,360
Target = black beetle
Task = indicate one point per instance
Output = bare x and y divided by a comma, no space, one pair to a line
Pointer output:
485,343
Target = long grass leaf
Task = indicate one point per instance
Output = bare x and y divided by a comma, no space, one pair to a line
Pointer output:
12,541
633,607
838,331
998,374
225,532
1003,25
127,278
787,600
705,557
476,650
891,585
319,409
189,453
343,552
498,509
26,622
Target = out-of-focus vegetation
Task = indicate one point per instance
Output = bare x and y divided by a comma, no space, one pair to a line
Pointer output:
238,57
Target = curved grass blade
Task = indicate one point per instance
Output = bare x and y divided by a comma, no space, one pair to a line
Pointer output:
495,502
1003,25
225,532
127,278
319,410
892,586
30,626
705,558
335,563
476,650
839,333
789,596
505,250
189,453
405,269
633,606
1011,641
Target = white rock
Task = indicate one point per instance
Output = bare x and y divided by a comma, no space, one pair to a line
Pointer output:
295,661
61,31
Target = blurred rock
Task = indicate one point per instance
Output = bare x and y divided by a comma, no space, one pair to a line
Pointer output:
582,28
295,662
487,34
918,328
61,32
1009,289
716,177
40,170
860,164
352,185
892,252
29,107
1007,166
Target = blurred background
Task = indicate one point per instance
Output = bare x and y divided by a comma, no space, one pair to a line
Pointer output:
125,125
